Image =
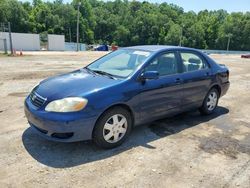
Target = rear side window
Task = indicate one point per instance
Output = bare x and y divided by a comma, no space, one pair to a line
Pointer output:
165,64
192,62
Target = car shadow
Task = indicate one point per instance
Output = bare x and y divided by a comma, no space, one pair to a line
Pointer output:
64,155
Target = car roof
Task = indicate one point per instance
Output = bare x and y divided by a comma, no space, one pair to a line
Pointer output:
155,48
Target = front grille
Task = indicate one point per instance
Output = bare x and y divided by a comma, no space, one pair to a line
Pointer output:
36,99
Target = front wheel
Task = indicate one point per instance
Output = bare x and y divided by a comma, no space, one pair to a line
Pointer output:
210,102
112,128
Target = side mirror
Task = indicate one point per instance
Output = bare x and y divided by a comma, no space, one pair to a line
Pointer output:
149,75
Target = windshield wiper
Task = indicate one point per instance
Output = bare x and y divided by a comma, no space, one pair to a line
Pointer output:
89,70
104,73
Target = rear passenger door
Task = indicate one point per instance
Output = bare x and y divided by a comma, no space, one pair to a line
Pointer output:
196,78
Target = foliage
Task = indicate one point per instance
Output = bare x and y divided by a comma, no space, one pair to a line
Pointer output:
127,23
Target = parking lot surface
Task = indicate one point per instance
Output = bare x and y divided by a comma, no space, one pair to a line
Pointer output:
188,150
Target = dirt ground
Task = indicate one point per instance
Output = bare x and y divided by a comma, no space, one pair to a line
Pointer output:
187,150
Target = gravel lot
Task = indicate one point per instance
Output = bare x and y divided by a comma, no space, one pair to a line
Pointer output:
187,150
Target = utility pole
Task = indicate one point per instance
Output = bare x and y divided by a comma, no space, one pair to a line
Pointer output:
228,41
11,47
69,34
180,43
77,27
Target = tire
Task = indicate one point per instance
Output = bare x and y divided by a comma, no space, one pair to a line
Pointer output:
112,128
210,102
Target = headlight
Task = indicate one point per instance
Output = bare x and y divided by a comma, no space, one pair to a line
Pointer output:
70,104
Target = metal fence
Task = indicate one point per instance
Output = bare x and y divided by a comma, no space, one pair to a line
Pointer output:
71,46
225,52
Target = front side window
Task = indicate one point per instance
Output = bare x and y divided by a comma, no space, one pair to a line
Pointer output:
192,62
165,64
120,63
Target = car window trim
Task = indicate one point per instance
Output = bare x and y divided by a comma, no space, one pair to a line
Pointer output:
207,69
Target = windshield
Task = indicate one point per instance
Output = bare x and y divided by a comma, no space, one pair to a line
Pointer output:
120,63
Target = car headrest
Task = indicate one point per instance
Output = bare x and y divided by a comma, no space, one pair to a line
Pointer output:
194,61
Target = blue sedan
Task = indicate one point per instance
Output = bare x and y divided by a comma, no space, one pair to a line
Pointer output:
128,87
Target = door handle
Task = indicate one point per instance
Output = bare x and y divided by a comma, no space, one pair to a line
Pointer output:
207,74
178,80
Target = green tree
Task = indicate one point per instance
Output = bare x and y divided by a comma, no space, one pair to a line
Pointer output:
174,35
122,34
130,23
13,11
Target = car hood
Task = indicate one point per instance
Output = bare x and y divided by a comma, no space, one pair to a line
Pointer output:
78,83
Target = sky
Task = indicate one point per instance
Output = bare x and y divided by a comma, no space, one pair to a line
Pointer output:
197,5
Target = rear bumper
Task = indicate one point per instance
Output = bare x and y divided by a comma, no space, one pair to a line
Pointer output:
60,130
224,88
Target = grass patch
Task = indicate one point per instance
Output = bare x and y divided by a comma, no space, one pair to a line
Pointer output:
3,55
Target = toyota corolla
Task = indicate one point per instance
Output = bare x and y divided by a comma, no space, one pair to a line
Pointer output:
128,87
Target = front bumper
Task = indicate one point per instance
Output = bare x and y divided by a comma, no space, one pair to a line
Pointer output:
59,127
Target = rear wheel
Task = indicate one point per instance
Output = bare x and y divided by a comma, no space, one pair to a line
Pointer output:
112,128
210,102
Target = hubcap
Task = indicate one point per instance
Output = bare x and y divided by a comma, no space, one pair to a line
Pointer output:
115,128
211,101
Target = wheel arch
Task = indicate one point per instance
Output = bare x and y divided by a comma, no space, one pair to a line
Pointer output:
122,105
217,87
